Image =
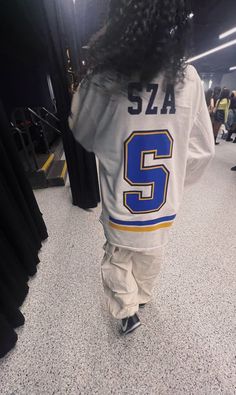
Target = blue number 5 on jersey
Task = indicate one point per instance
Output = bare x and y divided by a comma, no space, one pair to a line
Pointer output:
158,144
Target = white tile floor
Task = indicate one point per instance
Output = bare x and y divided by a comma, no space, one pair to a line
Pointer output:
187,343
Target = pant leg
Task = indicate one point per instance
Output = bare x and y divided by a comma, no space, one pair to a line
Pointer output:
119,284
146,268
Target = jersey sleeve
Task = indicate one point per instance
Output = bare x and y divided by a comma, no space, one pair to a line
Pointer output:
88,106
81,120
201,147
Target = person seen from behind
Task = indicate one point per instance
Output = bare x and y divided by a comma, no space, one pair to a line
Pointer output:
210,100
221,112
231,122
216,94
209,96
142,111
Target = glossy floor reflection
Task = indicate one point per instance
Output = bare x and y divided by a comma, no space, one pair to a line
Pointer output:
186,344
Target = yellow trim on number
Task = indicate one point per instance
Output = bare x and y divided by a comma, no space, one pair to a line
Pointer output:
140,228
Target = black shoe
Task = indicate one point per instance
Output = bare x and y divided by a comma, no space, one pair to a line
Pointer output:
142,305
233,168
217,143
229,139
234,141
129,324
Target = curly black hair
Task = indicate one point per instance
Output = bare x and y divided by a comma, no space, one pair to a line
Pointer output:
225,94
143,37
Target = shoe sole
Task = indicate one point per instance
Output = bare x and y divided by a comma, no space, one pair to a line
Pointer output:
137,325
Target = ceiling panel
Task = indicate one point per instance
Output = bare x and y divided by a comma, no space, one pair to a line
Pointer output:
212,18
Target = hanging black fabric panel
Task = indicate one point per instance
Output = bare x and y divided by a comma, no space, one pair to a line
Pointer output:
43,30
7,335
18,183
81,164
11,271
21,232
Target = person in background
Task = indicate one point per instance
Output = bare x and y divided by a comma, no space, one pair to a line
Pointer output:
143,112
210,100
221,112
231,122
216,94
210,103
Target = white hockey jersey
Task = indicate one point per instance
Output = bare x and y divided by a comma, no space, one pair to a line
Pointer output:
150,142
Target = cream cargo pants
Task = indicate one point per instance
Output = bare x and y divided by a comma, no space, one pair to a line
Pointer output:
129,278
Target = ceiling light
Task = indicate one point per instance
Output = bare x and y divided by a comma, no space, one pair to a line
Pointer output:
232,68
191,15
216,49
228,33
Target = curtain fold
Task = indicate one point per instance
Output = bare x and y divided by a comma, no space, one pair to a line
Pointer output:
59,34
7,335
22,230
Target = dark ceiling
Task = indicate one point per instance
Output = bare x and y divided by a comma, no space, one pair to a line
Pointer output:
211,18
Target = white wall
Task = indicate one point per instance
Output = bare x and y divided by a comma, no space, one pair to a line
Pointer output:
229,81
205,84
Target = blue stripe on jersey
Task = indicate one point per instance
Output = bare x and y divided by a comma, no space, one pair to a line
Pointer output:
143,223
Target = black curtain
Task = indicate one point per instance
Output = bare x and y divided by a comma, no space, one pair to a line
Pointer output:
39,33
22,230
57,22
